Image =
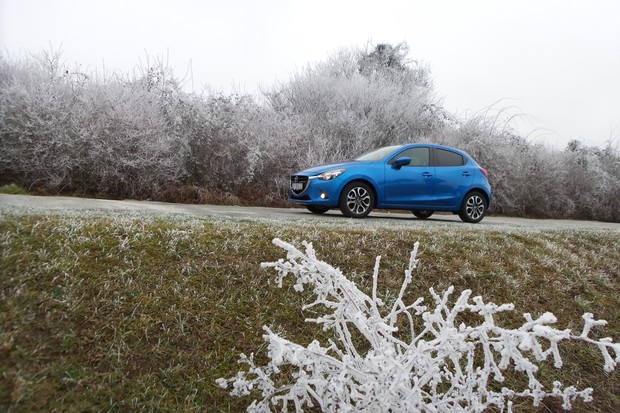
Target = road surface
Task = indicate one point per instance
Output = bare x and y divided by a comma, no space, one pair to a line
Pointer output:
287,214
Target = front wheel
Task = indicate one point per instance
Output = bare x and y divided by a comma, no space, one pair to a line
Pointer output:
422,214
317,209
473,208
356,200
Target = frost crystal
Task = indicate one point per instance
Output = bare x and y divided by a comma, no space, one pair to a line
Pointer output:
414,358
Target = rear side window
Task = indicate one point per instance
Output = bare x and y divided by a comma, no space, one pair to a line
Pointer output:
448,158
419,156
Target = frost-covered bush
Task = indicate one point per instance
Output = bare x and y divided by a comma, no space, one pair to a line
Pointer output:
62,130
358,100
405,357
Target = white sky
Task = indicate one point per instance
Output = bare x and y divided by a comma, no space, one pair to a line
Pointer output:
555,61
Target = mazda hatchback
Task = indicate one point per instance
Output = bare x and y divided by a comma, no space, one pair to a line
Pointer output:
422,178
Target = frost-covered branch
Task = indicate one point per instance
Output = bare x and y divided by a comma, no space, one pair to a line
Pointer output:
446,365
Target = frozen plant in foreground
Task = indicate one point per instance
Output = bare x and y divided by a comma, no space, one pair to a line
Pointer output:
415,358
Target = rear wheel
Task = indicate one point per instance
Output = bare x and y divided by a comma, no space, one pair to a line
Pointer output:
473,208
317,209
356,200
422,214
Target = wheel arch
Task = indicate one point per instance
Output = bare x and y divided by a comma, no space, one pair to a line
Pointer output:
481,191
368,182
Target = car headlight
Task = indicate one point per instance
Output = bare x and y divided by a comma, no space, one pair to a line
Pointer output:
329,175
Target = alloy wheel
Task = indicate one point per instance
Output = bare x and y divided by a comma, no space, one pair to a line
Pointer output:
474,208
357,200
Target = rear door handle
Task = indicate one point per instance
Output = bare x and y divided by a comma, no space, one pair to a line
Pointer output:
466,174
427,174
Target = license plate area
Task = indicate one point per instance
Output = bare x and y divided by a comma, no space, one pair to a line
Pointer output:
297,186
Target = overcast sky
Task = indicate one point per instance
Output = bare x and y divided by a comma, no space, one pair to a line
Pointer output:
557,62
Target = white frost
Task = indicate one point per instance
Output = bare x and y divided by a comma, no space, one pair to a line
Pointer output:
436,364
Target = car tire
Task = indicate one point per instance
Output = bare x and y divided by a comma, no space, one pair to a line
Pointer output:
473,208
317,209
356,200
422,214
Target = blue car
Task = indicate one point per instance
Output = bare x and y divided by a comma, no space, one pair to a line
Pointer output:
422,178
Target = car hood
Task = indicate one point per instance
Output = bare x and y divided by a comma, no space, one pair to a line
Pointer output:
315,170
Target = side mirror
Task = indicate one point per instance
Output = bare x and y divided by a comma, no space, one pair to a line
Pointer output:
400,162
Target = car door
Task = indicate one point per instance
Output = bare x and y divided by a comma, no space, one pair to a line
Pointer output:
452,177
409,186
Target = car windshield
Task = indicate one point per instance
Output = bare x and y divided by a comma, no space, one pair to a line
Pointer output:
377,154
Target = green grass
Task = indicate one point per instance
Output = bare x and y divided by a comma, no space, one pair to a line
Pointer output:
13,189
144,312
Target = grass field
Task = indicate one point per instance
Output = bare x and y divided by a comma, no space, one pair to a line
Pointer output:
138,312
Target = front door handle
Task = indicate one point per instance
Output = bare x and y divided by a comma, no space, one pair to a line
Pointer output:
427,174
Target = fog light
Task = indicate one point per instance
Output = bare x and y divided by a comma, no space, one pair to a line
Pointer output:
323,195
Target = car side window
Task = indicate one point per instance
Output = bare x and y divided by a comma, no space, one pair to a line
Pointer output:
448,158
419,156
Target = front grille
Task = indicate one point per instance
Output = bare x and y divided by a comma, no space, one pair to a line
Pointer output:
298,183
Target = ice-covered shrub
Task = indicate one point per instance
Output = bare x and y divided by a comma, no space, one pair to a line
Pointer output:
404,357
66,131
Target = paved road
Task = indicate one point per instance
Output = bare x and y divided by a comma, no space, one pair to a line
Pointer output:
289,214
